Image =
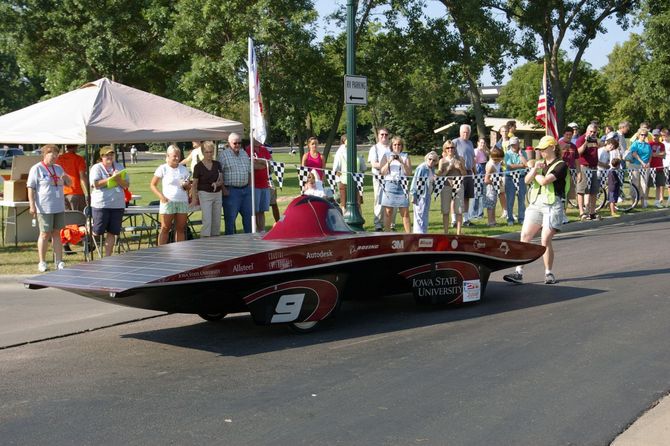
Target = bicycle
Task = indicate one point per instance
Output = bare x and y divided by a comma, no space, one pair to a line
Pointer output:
629,196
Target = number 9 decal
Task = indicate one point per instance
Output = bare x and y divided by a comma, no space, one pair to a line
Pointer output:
288,308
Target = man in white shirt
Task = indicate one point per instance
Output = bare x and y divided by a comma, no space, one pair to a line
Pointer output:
466,151
377,152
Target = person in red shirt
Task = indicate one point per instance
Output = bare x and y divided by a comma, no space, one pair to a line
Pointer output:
262,190
656,164
587,148
75,166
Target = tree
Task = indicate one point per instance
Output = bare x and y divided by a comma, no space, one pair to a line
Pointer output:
70,42
623,72
589,101
654,86
214,35
472,38
550,20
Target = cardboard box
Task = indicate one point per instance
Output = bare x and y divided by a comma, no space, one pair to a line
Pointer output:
15,190
21,166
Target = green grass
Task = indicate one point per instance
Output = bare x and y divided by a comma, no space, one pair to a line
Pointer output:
23,259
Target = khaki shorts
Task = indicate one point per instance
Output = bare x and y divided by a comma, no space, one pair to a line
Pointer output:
445,200
582,182
546,215
51,222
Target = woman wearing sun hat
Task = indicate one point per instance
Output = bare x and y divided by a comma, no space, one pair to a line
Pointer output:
548,188
108,202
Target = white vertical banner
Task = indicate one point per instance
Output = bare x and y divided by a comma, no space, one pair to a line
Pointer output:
257,122
257,130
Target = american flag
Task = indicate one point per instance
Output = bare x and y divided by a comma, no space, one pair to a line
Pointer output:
546,108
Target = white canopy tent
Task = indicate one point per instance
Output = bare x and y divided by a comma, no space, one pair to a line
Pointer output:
106,112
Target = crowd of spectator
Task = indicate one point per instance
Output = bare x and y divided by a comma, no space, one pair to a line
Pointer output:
470,181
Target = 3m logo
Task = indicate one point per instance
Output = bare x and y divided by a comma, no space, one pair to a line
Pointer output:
398,244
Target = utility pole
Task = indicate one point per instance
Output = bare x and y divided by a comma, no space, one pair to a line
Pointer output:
352,215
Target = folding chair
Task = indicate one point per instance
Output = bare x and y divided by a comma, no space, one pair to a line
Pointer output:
79,219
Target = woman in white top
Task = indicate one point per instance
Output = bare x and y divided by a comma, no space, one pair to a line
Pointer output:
47,204
173,195
395,165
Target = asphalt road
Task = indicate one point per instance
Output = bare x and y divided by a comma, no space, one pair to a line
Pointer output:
569,364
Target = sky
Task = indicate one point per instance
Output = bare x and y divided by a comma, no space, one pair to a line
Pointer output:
596,54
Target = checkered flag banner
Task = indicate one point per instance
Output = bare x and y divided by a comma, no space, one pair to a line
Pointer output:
495,182
644,173
359,178
479,185
303,171
620,173
421,185
278,169
404,182
380,179
589,173
652,176
455,186
439,185
331,177
602,176
573,175
666,171
516,174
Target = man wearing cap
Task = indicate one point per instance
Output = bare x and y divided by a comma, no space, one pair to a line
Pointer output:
515,159
575,131
545,212
587,190
236,191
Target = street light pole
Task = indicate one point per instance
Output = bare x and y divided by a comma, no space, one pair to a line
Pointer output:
352,215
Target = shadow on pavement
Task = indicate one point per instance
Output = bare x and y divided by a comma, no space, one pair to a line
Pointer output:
237,335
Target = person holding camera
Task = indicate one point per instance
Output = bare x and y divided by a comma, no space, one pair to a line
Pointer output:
395,165
588,184
175,186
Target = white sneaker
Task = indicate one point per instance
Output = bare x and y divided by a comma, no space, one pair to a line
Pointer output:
504,214
42,267
644,204
61,265
659,205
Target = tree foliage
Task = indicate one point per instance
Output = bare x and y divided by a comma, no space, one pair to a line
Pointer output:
550,20
590,99
623,72
70,42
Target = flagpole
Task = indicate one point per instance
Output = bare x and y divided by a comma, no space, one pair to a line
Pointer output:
544,86
251,138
